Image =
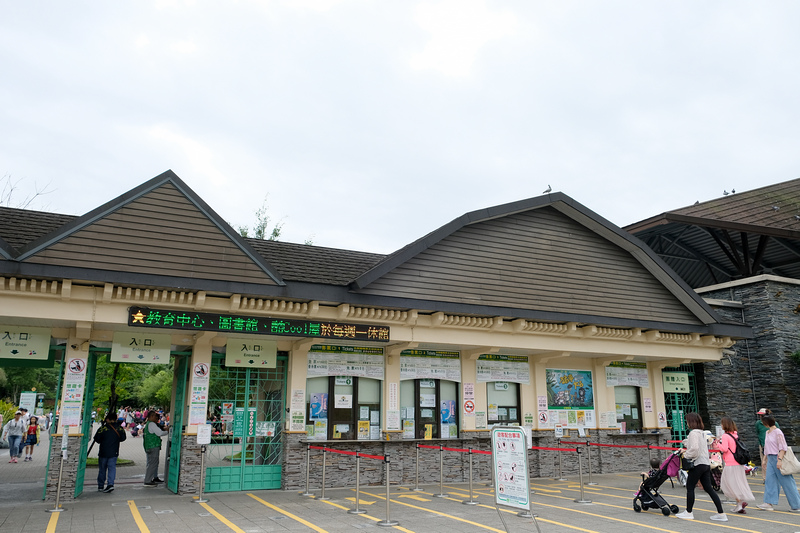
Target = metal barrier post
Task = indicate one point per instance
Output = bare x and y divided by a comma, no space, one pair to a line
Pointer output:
580,479
441,473
387,522
649,453
324,455
202,474
58,508
416,482
358,481
308,469
589,452
471,501
560,464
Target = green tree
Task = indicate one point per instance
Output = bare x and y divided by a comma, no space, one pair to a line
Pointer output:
261,229
156,389
14,380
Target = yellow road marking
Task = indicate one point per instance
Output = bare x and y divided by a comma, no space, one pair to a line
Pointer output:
222,519
414,497
287,513
137,517
365,516
360,501
51,524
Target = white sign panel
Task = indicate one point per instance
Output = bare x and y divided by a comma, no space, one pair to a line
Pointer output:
510,463
428,364
23,342
204,434
345,361
198,399
622,373
251,353
138,347
514,368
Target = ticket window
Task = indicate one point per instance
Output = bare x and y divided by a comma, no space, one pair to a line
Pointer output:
343,407
504,405
428,408
629,408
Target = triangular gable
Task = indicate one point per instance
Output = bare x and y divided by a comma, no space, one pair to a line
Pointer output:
159,228
547,254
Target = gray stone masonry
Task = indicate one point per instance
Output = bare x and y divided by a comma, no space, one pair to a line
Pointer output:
189,480
340,469
70,470
762,372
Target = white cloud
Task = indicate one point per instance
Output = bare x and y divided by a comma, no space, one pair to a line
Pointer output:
458,30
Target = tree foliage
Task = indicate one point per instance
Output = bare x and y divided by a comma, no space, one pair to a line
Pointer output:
261,229
14,380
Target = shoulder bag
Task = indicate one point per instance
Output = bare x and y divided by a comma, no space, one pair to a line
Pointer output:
789,463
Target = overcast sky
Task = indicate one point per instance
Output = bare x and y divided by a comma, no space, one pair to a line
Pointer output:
370,124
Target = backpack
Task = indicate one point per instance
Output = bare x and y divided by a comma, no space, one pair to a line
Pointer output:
741,454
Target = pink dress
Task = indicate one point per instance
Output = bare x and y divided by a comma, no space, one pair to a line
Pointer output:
734,480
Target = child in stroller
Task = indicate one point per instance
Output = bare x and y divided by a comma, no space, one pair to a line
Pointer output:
648,496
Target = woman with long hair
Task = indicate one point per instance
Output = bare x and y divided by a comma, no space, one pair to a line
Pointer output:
774,448
696,450
734,480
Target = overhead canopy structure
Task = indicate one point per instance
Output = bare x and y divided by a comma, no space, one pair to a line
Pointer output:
739,235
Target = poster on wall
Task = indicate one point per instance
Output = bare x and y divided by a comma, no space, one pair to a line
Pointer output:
429,364
496,367
319,406
569,389
23,342
361,361
627,373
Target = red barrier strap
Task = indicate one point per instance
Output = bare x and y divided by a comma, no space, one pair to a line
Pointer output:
428,447
340,451
482,452
378,457
317,448
462,450
664,448
673,441
578,443
617,445
555,449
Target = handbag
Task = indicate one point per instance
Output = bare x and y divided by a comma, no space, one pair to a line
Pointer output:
686,464
789,464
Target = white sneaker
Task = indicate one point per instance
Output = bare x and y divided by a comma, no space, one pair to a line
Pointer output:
765,506
686,515
721,517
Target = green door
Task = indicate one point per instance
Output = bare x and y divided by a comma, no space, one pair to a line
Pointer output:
176,423
246,407
679,404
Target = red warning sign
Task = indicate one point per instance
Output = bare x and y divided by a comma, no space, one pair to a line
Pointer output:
469,407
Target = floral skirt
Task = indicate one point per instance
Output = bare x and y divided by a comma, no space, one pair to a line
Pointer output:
734,484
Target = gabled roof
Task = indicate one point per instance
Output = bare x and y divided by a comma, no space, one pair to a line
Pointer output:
523,250
736,236
159,228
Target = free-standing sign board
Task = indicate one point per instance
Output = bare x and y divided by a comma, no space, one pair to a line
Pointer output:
510,463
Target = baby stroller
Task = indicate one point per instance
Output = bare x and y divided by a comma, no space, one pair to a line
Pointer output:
648,496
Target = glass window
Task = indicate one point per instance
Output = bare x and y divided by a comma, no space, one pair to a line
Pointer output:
628,407
351,411
428,408
503,400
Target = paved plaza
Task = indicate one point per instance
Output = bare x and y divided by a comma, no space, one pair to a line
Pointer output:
135,508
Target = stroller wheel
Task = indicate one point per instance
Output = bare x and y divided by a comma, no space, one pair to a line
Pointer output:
636,506
665,510
674,509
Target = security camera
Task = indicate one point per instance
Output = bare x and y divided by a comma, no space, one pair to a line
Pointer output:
73,346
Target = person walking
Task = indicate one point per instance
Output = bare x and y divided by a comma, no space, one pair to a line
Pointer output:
696,450
761,429
13,432
108,437
152,448
31,437
734,480
774,448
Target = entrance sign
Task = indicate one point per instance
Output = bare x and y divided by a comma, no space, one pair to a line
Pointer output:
676,382
510,464
23,342
249,352
138,348
187,320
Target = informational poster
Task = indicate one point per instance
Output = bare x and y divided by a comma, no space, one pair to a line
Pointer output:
363,430
510,463
569,389
138,347
204,434
319,406
494,367
393,396
448,412
469,391
297,420
429,364
542,402
324,360
648,405
198,399
27,400
318,430
627,373
480,419
74,385
298,399
251,353
662,419
393,420
676,382
408,429
544,420
611,419
23,342
344,401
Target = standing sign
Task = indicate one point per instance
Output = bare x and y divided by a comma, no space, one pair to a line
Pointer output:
204,434
510,463
28,401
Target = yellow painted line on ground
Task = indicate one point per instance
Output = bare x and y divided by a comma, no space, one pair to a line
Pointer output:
222,519
360,501
414,497
368,517
137,517
287,513
51,524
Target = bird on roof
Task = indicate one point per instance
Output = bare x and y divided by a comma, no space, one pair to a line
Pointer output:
725,193
733,191
548,189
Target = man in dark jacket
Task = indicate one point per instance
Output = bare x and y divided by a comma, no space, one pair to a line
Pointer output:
108,437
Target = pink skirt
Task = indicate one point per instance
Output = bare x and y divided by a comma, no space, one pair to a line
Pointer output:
734,484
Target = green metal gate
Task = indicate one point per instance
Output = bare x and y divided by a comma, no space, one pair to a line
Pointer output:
679,404
246,407
174,459
86,423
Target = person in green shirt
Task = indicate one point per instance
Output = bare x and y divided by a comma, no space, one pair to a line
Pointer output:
152,448
761,429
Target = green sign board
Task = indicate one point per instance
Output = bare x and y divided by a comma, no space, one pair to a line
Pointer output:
189,320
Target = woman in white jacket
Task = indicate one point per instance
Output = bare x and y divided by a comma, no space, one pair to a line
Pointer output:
13,431
696,449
